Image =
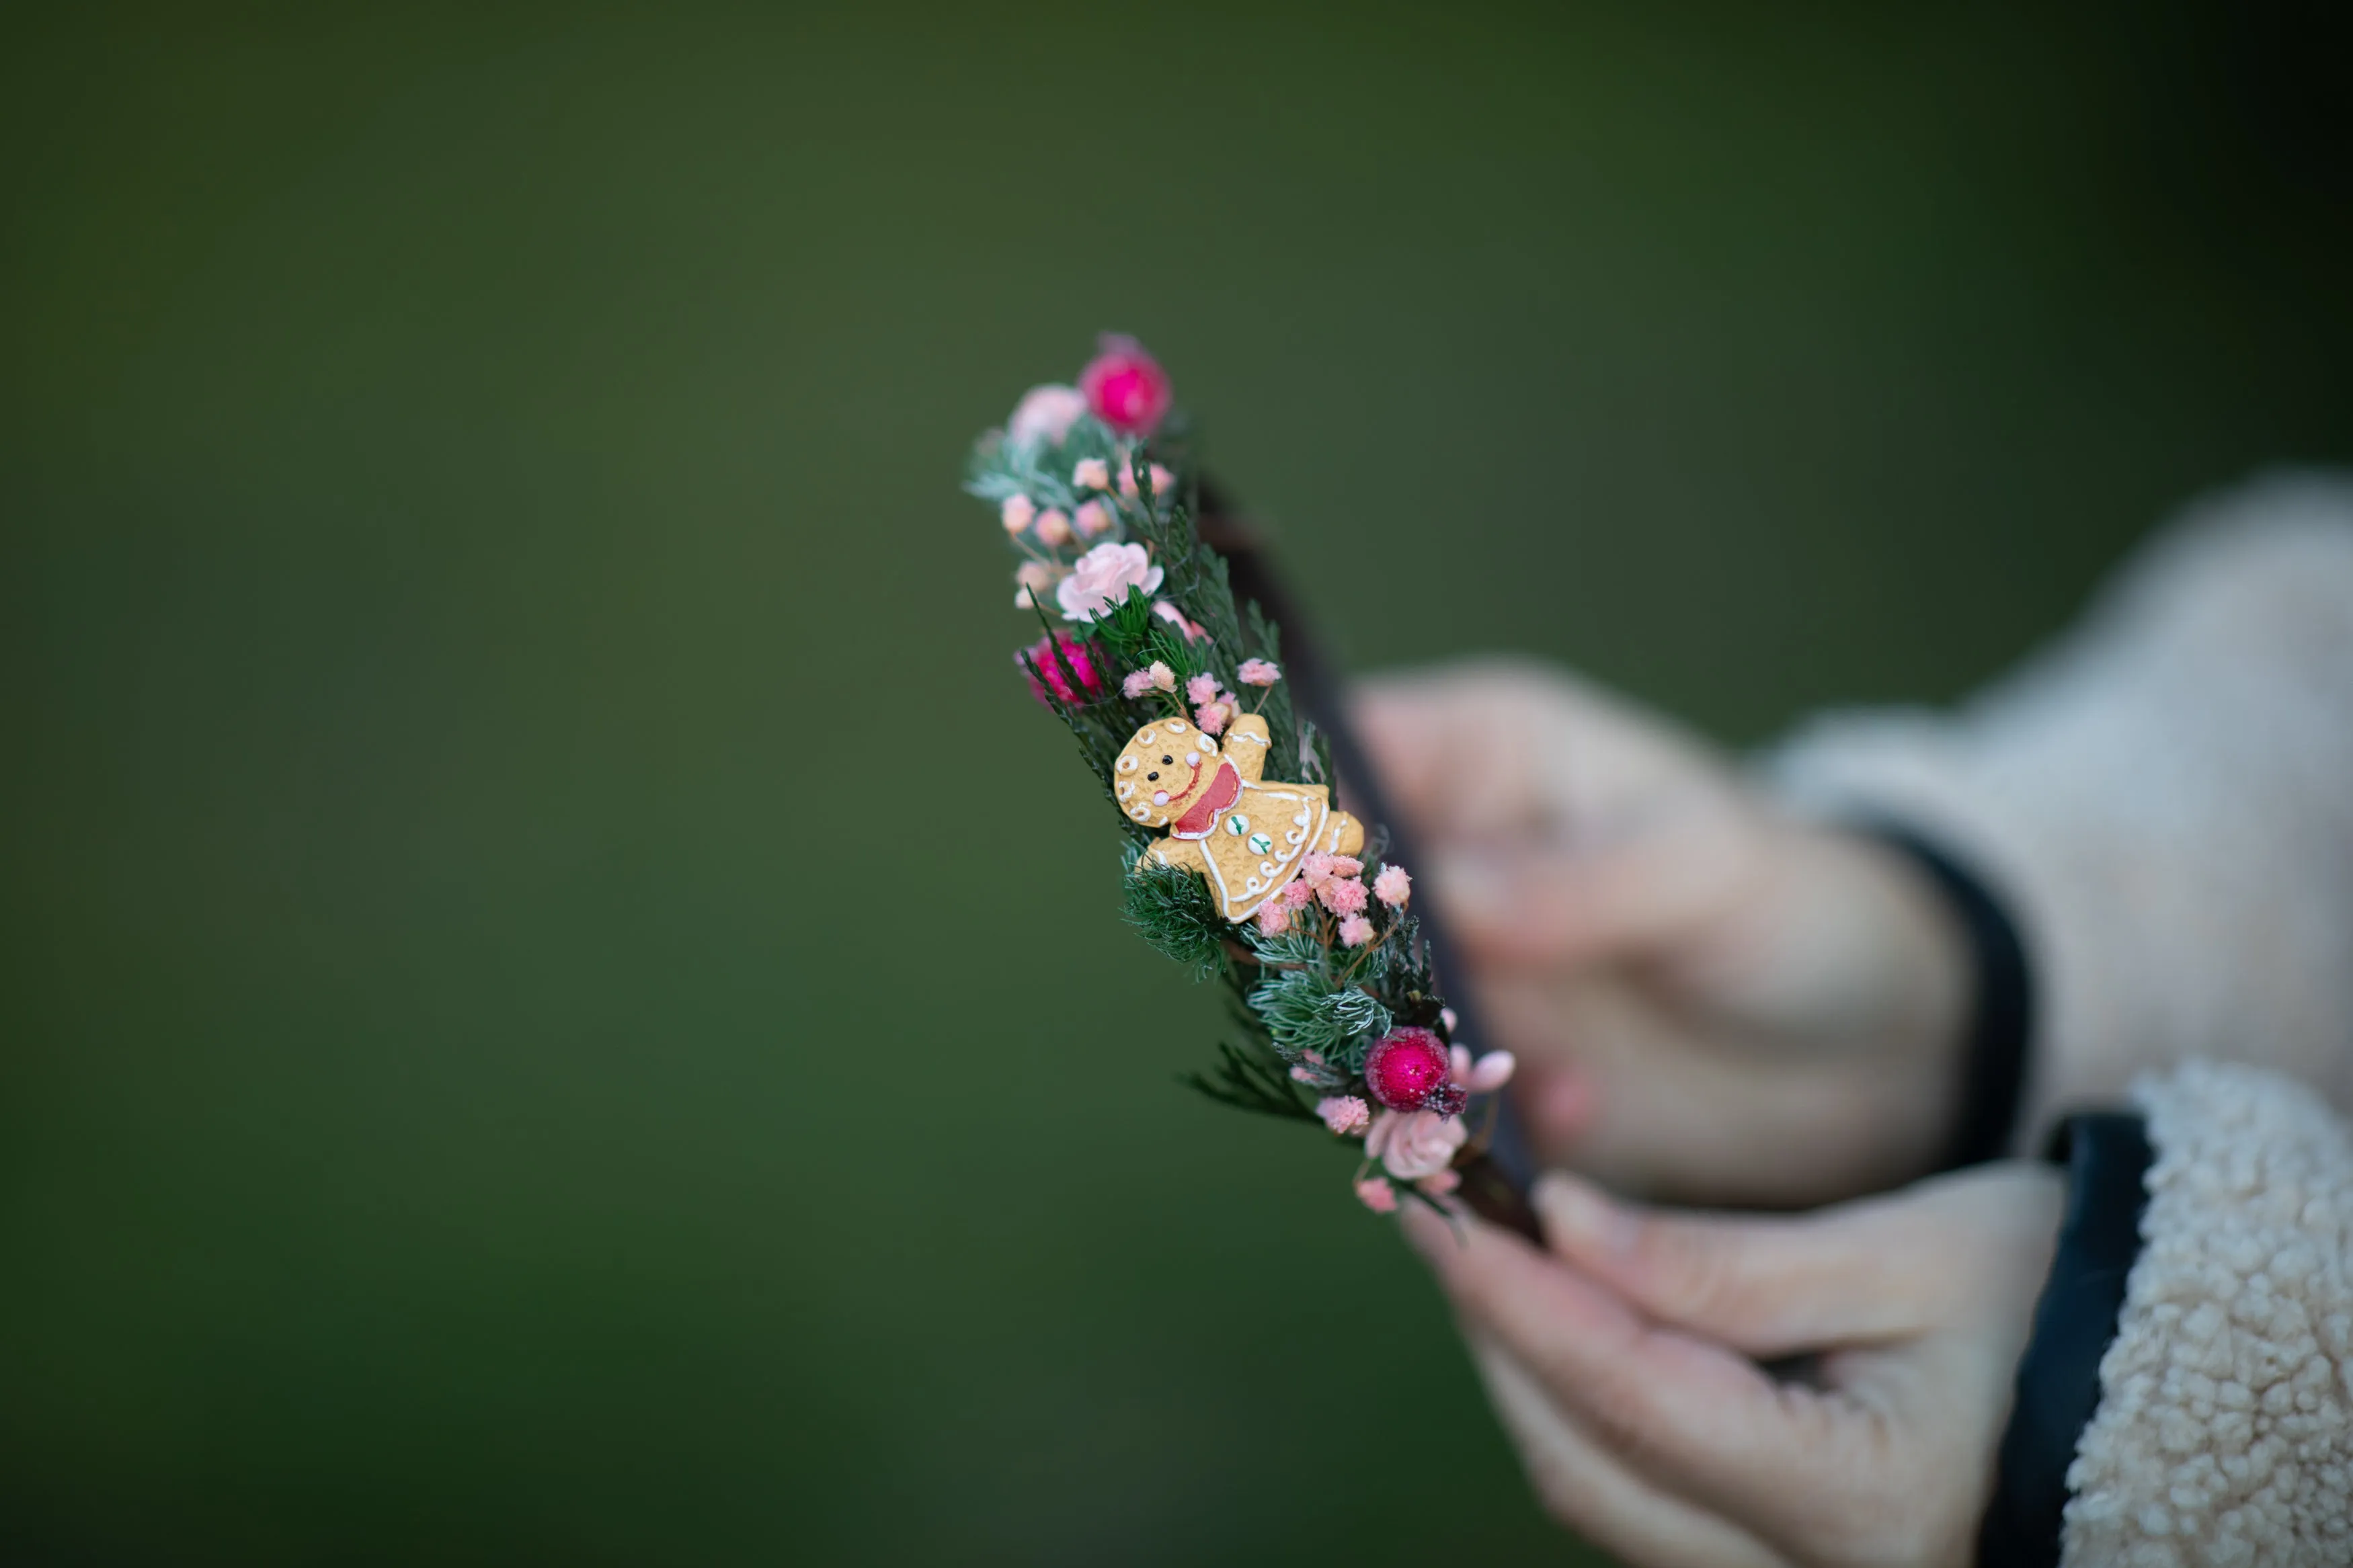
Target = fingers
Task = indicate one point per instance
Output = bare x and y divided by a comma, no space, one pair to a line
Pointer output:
1548,903
1765,1285
1587,1489
1687,1414
1457,749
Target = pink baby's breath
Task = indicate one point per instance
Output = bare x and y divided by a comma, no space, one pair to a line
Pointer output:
1344,1113
1201,689
1298,894
1273,918
1393,887
1356,930
1091,474
1342,896
1090,518
1377,1194
1016,512
1259,672
1211,717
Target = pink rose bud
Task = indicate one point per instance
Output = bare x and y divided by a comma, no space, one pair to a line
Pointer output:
1016,512
1053,527
1092,474
1090,518
1046,414
1125,387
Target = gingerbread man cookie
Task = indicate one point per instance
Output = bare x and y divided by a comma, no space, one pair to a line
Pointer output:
1246,836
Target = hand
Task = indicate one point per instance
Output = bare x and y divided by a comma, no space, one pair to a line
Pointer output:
1711,1001
1622,1366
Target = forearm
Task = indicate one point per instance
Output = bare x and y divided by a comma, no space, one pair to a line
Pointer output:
2163,804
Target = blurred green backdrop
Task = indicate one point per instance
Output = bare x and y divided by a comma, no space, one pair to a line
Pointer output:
501,1062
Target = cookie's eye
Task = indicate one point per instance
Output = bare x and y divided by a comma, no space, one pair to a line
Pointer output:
1167,761
1153,774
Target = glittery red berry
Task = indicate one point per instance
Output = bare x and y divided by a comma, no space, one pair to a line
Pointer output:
1406,1068
1125,387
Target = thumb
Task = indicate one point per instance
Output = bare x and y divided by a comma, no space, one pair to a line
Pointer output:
1766,1285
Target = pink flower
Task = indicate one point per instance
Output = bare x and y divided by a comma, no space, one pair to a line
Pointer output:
1103,577
1411,1144
1259,672
1053,527
1156,674
1356,930
1274,920
1201,689
1164,483
1393,887
1377,1196
1190,631
1342,897
1090,516
1092,474
1046,414
1446,1016
1317,867
1298,894
1344,1113
1079,659
1212,717
1125,387
1015,512
1309,1069
1484,1076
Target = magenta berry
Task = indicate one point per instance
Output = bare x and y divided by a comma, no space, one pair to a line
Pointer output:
1406,1069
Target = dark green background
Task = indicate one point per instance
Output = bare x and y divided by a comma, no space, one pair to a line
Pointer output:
560,1003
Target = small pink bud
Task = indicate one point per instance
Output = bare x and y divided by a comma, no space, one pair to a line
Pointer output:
1016,512
1092,474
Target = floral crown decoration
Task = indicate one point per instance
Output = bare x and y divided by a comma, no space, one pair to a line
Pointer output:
1237,861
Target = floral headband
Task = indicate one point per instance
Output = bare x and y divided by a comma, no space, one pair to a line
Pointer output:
1238,862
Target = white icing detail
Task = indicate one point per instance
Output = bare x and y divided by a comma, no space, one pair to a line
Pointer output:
1138,812
1294,836
1148,737
1126,788
1252,885
1176,726
1127,764
1267,867
1302,818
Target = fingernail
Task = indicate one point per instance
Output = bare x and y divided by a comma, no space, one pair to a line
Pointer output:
1579,1218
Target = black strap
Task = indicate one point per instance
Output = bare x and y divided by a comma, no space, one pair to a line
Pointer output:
2107,1158
2001,1011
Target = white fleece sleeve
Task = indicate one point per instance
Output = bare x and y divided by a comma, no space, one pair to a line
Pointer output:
2224,1433
2164,801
